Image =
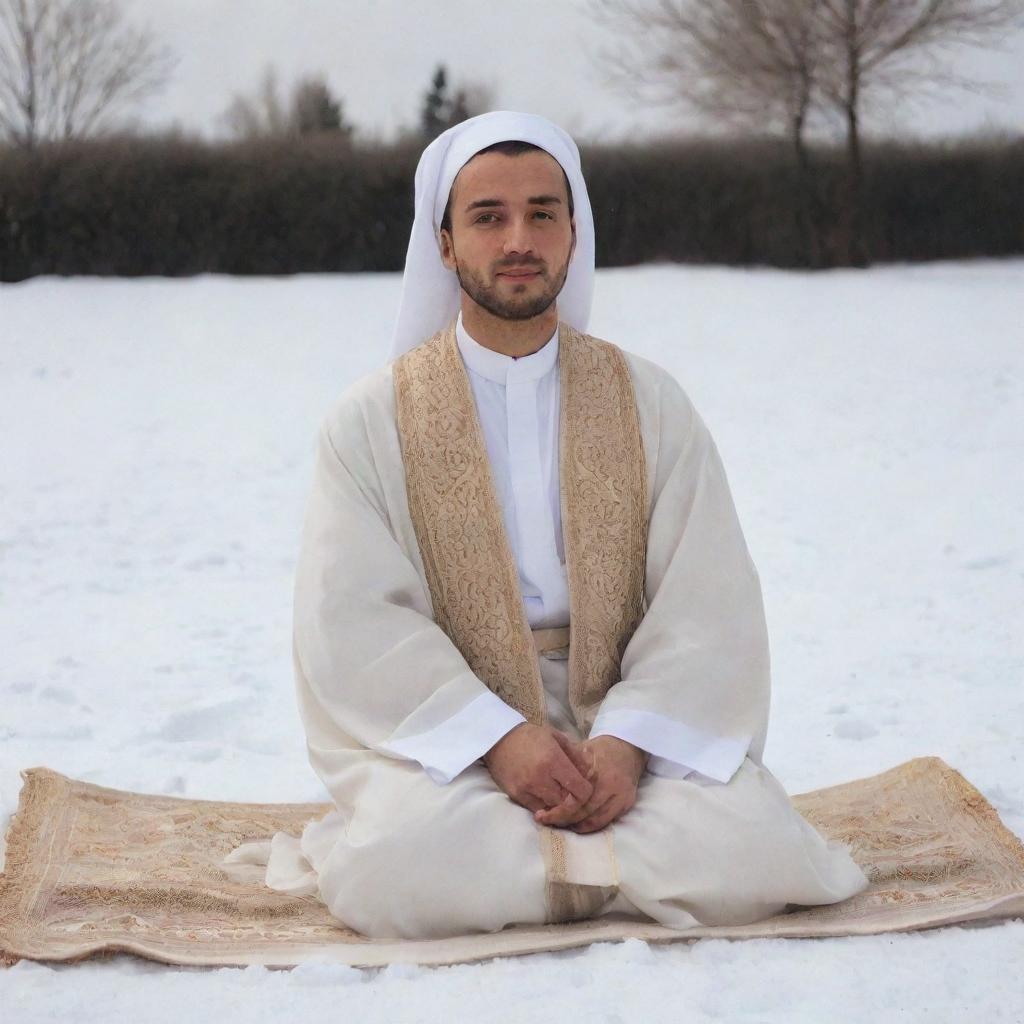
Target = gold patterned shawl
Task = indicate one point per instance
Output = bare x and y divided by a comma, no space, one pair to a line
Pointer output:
453,503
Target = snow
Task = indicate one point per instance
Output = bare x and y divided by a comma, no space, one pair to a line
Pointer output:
158,440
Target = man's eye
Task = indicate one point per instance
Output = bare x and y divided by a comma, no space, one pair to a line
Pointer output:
544,213
482,218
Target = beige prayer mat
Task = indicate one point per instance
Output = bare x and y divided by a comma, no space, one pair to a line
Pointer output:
91,871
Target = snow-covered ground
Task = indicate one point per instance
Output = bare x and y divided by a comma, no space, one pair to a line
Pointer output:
157,441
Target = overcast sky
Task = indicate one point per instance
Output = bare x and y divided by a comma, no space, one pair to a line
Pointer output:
540,56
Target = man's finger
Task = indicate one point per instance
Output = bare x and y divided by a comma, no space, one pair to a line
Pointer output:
562,814
531,802
599,818
582,759
603,792
549,792
568,812
584,809
566,774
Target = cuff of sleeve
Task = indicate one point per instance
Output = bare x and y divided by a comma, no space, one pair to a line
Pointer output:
457,742
677,750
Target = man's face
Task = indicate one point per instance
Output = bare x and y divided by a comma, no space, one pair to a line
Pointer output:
512,236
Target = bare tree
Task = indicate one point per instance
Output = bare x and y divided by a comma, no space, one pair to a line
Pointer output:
69,67
260,115
312,109
736,62
892,49
774,63
733,61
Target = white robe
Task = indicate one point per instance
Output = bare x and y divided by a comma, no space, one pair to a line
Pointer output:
517,401
422,842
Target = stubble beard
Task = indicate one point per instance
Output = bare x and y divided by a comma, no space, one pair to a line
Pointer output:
486,295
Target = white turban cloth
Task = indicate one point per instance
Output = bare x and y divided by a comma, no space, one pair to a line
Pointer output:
430,292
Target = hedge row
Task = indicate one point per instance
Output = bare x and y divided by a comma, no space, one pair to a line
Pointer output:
172,206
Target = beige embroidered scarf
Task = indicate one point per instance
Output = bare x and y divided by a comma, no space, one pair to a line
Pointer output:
471,572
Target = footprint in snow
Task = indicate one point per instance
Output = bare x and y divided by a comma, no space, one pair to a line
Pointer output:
855,729
58,694
986,563
203,723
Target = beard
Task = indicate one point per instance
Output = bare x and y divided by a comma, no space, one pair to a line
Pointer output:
522,307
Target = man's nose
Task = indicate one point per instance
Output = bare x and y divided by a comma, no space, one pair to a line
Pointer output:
518,238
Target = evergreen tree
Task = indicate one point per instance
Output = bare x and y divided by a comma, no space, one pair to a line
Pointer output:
315,110
459,108
434,113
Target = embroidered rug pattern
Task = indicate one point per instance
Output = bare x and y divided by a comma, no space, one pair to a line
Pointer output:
91,870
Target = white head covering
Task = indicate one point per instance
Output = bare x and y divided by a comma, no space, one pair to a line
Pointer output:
430,292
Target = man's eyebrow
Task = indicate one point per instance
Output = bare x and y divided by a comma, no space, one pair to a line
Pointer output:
533,201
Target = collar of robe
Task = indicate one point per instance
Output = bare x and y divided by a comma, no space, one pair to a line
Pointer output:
467,558
499,368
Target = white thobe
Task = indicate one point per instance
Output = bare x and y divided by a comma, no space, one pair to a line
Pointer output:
517,401
376,675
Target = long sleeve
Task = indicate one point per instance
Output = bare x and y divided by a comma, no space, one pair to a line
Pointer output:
373,669
695,681
650,731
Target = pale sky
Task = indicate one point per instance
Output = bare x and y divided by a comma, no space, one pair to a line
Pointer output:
535,55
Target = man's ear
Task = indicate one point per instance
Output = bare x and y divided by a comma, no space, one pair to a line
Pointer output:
447,248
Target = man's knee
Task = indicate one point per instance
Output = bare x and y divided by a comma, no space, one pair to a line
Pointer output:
438,881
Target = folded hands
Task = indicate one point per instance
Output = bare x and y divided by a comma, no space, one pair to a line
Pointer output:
582,785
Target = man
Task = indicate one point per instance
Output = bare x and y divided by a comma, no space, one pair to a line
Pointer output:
530,647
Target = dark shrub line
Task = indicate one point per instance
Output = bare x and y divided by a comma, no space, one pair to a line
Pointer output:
173,206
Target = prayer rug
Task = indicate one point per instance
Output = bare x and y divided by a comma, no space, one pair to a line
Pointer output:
93,871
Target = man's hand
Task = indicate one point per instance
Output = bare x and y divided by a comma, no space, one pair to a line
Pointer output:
536,767
615,767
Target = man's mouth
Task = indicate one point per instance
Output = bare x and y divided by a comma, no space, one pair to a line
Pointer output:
519,273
